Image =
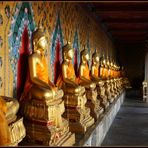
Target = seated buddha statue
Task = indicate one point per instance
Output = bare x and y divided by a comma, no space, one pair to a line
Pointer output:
91,92
68,73
74,97
84,77
41,102
12,130
103,68
38,84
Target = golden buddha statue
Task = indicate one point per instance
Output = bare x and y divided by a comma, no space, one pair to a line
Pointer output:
74,97
84,77
12,130
91,92
95,67
103,68
111,79
42,104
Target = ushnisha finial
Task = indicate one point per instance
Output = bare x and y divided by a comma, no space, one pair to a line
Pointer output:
67,46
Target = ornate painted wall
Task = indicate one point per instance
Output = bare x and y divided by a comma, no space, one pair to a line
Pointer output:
62,21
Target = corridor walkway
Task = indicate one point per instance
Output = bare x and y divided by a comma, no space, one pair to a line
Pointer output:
130,127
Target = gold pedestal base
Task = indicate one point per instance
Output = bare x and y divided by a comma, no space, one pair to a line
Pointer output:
16,126
93,103
101,95
95,109
111,100
105,104
39,132
44,123
79,119
17,131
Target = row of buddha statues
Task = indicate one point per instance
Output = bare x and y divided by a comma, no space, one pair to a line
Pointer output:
53,114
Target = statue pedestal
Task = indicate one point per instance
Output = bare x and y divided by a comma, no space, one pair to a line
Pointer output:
17,131
15,124
101,95
96,134
94,104
44,124
42,132
108,91
77,113
115,88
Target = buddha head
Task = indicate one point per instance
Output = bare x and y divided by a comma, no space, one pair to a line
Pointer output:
103,61
39,40
68,51
84,55
95,58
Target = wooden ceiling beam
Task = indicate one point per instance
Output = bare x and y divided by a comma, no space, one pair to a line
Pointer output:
128,26
118,6
122,14
125,20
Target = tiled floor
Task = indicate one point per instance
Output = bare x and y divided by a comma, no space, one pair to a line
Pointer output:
130,127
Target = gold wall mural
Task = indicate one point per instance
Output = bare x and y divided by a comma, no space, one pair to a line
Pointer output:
72,18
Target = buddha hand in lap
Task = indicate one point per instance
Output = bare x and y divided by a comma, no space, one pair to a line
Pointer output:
95,68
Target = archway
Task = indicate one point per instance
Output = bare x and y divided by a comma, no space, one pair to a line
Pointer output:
76,59
19,37
23,60
56,51
57,67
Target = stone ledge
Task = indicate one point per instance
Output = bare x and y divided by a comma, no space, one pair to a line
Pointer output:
97,132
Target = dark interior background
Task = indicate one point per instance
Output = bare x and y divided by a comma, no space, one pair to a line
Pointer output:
126,23
133,59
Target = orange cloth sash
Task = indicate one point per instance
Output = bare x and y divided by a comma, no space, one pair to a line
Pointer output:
42,70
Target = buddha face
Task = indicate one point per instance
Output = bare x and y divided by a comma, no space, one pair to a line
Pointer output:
108,63
42,44
104,62
70,54
96,59
86,57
